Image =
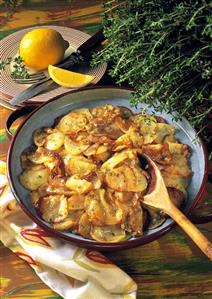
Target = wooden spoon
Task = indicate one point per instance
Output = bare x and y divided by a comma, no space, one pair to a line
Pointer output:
158,197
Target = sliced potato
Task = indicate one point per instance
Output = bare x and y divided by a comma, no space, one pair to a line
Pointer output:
126,179
39,136
84,227
154,219
41,155
113,215
162,130
34,178
179,148
53,208
179,166
57,186
175,181
26,155
74,148
96,178
140,182
54,141
134,221
81,166
73,122
117,158
158,152
78,185
76,202
116,179
109,234
102,153
146,124
35,197
94,209
122,124
123,196
69,223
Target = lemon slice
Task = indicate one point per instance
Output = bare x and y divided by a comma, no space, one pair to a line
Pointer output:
69,79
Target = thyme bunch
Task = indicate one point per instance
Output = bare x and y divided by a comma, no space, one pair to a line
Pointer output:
162,48
19,69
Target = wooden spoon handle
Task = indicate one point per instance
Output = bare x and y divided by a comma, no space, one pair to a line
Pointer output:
191,230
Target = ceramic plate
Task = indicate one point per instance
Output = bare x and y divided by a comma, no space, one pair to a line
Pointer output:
9,48
45,115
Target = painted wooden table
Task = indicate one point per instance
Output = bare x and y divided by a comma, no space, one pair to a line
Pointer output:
171,267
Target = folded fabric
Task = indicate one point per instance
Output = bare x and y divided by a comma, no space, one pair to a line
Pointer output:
72,272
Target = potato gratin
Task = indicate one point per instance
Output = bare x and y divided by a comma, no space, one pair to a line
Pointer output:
85,175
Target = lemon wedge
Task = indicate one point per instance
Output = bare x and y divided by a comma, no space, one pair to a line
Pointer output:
69,79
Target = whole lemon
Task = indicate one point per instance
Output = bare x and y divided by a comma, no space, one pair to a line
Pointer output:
41,47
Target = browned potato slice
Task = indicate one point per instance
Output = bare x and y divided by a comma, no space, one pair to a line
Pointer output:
109,234
81,166
35,197
170,138
116,179
123,196
122,142
179,166
135,221
69,223
158,152
84,226
78,185
117,158
146,124
125,178
175,181
94,209
34,178
131,139
96,178
102,153
179,149
39,136
132,220
105,113
73,122
91,150
53,208
39,156
113,215
76,202
162,130
54,141
57,186
74,148
26,155
140,181
155,219
122,124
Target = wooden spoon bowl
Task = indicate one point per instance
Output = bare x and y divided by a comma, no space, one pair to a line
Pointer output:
158,197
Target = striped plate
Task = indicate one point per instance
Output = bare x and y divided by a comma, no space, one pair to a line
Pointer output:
9,48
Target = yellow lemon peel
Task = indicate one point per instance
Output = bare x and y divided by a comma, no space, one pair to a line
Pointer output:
41,47
69,79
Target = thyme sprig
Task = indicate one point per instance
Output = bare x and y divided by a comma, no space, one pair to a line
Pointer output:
19,69
162,48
